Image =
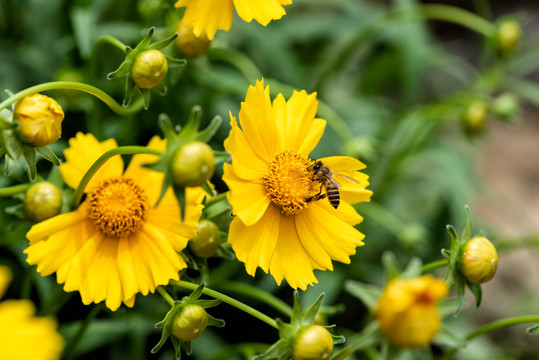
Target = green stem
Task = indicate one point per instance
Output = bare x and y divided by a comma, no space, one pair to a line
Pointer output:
434,265
122,150
258,294
367,338
382,216
227,299
237,60
112,41
58,85
72,344
165,295
500,324
457,16
13,190
215,199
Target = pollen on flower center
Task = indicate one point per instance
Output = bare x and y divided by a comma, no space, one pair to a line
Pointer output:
289,183
118,207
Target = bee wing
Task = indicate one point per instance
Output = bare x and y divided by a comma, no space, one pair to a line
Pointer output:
347,178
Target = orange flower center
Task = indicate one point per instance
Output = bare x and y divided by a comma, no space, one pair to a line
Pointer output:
118,207
289,182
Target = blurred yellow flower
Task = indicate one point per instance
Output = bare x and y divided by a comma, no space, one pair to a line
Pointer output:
275,227
208,16
40,119
408,310
22,335
116,244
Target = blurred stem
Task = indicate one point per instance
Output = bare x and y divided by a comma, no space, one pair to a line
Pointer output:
382,216
215,199
112,41
13,190
70,85
434,265
237,60
258,294
457,16
122,150
227,299
69,350
367,338
166,296
505,244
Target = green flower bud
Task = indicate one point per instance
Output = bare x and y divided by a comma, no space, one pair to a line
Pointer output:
190,44
149,69
475,117
43,200
506,106
190,322
508,36
478,260
40,119
313,342
193,164
207,241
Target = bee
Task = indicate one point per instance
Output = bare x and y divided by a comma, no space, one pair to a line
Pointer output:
325,176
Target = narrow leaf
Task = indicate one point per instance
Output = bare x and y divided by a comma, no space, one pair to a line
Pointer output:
129,91
296,311
476,291
467,232
533,329
143,44
179,192
391,266
367,293
48,154
206,134
193,123
162,43
30,159
279,349
215,322
310,313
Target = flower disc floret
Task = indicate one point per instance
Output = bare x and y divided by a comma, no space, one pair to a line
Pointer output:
289,183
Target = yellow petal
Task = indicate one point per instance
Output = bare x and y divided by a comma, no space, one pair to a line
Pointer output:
135,170
248,199
42,230
83,151
255,245
247,164
207,16
262,11
127,270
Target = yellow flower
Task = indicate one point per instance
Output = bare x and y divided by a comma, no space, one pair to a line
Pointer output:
40,119
408,310
116,244
22,335
208,16
276,228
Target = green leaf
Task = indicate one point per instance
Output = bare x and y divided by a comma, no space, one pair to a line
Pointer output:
279,349
193,123
446,338
173,62
391,266
215,322
196,294
179,192
48,154
297,313
467,232
310,313
338,339
476,291
146,96
164,123
533,329
188,348
206,134
413,269
368,294
143,44
123,70
30,159
177,347
221,156
162,43
208,303
13,146
129,91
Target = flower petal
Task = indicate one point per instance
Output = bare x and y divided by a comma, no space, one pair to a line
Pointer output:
207,16
83,151
262,11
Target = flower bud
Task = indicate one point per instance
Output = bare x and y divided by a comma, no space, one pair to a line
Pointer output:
313,342
40,119
190,44
478,260
190,322
193,164
508,36
43,200
506,106
475,117
149,69
207,241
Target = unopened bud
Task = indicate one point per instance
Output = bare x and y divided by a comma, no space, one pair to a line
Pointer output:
43,200
314,342
475,117
149,69
479,260
190,322
509,34
193,164
207,241
190,44
506,106
40,119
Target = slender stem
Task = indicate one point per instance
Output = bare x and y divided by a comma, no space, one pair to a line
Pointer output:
216,199
57,85
72,344
434,265
237,60
227,299
258,294
457,16
500,324
112,41
165,295
368,337
122,150
13,190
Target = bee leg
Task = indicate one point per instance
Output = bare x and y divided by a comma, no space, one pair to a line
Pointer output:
318,196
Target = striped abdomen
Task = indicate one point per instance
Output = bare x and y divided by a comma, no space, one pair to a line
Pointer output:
333,195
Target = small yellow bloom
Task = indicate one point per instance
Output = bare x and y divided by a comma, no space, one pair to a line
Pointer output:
479,260
208,16
116,243
276,228
408,311
149,69
22,335
190,44
314,342
40,119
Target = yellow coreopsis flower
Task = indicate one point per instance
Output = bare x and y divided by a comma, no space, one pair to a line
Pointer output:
208,16
116,243
22,335
279,226
408,310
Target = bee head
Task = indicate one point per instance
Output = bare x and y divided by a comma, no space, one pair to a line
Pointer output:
317,165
